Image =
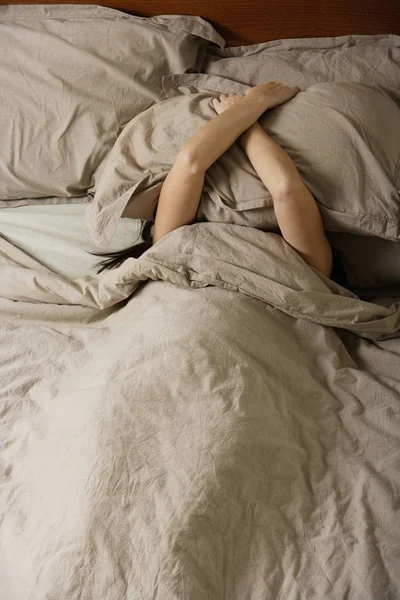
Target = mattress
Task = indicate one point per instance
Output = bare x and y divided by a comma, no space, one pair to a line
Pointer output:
56,236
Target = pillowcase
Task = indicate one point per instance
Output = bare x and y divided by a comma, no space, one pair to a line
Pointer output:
369,59
346,153
75,75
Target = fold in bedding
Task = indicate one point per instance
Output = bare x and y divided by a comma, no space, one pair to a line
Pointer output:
191,425
256,263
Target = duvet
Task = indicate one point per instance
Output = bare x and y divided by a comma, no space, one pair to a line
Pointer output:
213,420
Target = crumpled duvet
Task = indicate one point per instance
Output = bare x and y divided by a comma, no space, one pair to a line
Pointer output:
216,419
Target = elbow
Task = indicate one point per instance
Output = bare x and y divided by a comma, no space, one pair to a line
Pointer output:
188,160
288,187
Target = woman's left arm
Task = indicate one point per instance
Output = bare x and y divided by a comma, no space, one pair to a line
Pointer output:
296,211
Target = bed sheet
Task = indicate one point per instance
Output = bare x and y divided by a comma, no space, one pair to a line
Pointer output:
56,236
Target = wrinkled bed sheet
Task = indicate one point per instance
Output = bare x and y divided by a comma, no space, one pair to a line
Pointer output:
213,420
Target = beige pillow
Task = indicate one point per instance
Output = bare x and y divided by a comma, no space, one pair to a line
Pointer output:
343,137
73,76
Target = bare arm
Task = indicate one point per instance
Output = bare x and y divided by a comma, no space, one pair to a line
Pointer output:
296,211
181,192
273,165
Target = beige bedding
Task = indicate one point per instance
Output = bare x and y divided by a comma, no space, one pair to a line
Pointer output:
342,136
75,75
341,131
213,420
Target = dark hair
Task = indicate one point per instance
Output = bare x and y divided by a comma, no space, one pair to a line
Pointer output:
115,259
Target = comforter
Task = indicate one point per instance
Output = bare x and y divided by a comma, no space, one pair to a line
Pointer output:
216,419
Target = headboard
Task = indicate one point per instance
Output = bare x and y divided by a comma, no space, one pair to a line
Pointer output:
255,21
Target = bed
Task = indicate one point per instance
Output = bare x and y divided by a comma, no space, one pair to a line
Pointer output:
216,419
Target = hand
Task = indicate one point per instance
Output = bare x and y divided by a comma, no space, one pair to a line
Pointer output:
271,94
225,101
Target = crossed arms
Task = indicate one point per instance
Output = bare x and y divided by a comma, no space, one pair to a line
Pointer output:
296,211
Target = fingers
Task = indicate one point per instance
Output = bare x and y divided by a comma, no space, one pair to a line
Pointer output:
226,96
218,101
225,101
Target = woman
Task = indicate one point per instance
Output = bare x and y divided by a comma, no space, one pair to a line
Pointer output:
296,211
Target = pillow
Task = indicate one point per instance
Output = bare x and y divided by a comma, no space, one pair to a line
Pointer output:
369,59
347,154
75,75
142,157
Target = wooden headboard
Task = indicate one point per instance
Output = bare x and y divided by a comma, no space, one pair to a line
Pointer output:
242,22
